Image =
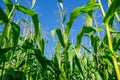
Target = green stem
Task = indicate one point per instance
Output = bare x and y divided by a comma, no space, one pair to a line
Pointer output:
11,12
114,58
111,49
3,67
109,38
116,67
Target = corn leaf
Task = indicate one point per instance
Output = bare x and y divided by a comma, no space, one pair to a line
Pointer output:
89,14
97,76
76,12
4,50
70,58
91,1
80,35
44,62
36,23
94,42
99,28
9,6
80,67
60,36
15,32
110,13
21,64
27,44
53,33
85,48
3,16
25,10
5,35
34,18
89,18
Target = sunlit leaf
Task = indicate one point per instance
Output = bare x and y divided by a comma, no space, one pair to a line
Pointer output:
70,58
53,33
76,12
110,13
36,23
34,18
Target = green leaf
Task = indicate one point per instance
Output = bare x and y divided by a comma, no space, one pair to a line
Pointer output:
14,74
25,10
53,33
97,76
37,26
99,28
60,36
89,14
28,44
91,1
15,32
70,58
44,62
116,40
89,18
94,42
116,34
21,64
75,13
4,50
64,18
36,23
9,6
3,16
41,45
111,11
80,35
85,48
5,35
1,22
79,65
34,18
109,65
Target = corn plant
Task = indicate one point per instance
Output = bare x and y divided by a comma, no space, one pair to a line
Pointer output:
22,56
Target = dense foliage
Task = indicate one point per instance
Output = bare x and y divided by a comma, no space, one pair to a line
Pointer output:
22,58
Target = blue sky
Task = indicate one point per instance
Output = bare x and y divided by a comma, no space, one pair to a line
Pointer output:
49,17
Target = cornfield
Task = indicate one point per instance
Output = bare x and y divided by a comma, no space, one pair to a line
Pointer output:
22,56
